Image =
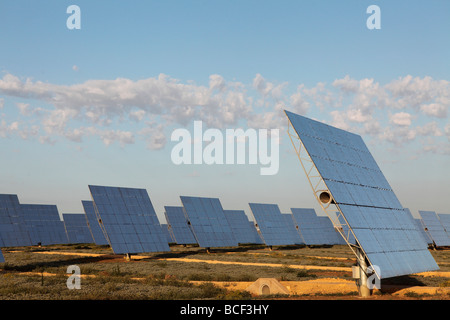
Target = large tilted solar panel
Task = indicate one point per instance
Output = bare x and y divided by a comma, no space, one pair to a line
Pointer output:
315,230
77,228
12,227
94,227
44,224
291,228
129,220
445,221
208,222
359,189
178,225
243,231
434,228
271,224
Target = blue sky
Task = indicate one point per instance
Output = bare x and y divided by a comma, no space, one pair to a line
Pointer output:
98,105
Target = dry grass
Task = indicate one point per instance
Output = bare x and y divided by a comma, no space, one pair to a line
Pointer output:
112,277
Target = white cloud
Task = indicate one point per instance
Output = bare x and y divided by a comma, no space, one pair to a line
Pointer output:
435,110
401,119
96,108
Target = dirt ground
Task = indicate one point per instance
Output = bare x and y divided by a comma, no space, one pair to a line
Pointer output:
295,273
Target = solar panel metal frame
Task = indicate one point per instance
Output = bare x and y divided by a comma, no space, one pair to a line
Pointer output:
13,232
244,230
434,228
128,220
208,222
178,225
342,172
94,226
271,224
77,228
44,224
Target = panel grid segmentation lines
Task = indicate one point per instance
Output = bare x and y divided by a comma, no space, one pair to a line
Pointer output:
271,224
77,228
389,239
244,230
94,227
178,225
128,219
44,224
208,222
435,228
12,226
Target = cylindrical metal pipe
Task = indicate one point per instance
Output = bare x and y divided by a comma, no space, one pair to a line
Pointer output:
325,197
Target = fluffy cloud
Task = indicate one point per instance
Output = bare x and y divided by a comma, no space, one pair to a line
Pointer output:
401,119
404,110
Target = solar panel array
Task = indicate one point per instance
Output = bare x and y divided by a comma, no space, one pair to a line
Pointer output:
244,231
167,234
434,228
445,221
315,230
208,222
360,191
77,228
271,224
128,219
291,228
12,227
419,226
44,224
178,225
94,227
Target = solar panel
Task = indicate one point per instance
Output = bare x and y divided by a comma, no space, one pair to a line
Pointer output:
351,179
419,226
77,228
12,227
2,258
434,228
166,232
94,227
291,228
128,220
44,224
208,222
315,230
178,225
243,230
271,224
445,221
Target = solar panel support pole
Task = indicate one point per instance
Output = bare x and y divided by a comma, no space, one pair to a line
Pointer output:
364,291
